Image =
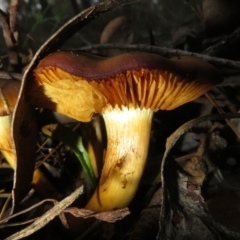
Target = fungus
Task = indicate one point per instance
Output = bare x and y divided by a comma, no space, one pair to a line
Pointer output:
8,96
9,90
126,89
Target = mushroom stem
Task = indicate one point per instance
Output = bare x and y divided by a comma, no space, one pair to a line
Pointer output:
128,132
6,146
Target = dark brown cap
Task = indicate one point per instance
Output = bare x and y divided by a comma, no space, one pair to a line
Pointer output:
80,85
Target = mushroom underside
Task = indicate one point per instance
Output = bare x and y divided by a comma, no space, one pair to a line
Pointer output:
80,98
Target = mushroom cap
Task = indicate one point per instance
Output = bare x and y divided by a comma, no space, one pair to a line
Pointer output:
8,95
80,85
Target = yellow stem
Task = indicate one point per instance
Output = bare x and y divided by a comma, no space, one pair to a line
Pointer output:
128,134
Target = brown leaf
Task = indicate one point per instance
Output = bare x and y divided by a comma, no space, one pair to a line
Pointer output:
109,216
117,30
184,213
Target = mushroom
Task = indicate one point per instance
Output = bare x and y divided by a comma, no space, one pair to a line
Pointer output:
9,90
126,89
8,96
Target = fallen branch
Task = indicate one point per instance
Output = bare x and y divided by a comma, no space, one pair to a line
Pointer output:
10,41
48,216
165,51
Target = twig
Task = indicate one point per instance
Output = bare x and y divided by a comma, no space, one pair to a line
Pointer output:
29,35
9,40
48,216
13,13
185,157
222,43
53,150
164,51
220,110
5,206
6,29
39,163
18,223
10,76
28,209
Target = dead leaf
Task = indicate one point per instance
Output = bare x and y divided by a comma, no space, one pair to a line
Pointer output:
117,30
109,216
184,213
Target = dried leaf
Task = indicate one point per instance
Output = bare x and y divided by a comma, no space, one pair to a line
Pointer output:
184,213
108,216
117,30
